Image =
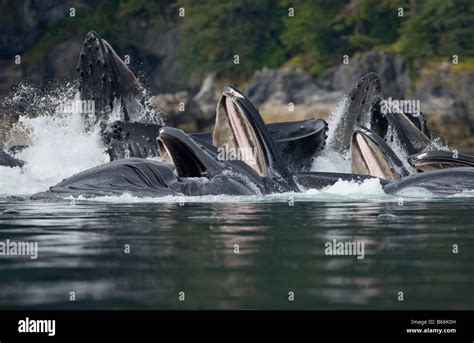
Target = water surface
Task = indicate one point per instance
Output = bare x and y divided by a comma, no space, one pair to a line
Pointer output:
191,247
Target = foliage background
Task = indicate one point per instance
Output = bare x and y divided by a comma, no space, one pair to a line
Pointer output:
262,33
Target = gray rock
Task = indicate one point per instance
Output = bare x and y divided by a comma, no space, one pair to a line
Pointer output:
181,111
61,61
209,94
291,94
392,70
10,74
446,92
283,85
27,21
161,50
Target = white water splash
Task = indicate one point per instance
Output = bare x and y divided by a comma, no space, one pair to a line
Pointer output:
340,191
58,146
334,118
394,143
330,160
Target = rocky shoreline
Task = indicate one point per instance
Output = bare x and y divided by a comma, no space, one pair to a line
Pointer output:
444,91
287,93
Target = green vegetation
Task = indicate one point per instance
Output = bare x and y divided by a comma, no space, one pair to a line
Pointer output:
105,16
272,33
439,28
264,34
214,31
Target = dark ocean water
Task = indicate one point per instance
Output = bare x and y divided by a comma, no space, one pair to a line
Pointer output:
192,248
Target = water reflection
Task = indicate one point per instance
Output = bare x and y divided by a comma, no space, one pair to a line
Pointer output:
231,255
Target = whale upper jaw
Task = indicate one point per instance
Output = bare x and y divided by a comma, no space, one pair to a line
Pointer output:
357,111
107,81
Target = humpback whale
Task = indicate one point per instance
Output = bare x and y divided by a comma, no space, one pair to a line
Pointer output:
359,105
297,142
371,155
366,131
191,165
105,79
280,153
440,182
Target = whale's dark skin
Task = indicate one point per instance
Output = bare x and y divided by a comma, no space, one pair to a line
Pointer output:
130,139
360,100
105,79
197,172
9,161
440,159
141,178
298,142
191,167
442,182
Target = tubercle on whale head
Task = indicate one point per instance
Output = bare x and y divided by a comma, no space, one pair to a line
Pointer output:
357,110
105,79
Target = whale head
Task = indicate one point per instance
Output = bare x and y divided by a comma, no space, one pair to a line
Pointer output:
107,81
240,127
372,156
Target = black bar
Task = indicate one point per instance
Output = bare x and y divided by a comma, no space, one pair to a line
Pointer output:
333,325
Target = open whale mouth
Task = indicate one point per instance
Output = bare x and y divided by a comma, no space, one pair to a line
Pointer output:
240,128
372,156
440,159
189,158
234,132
